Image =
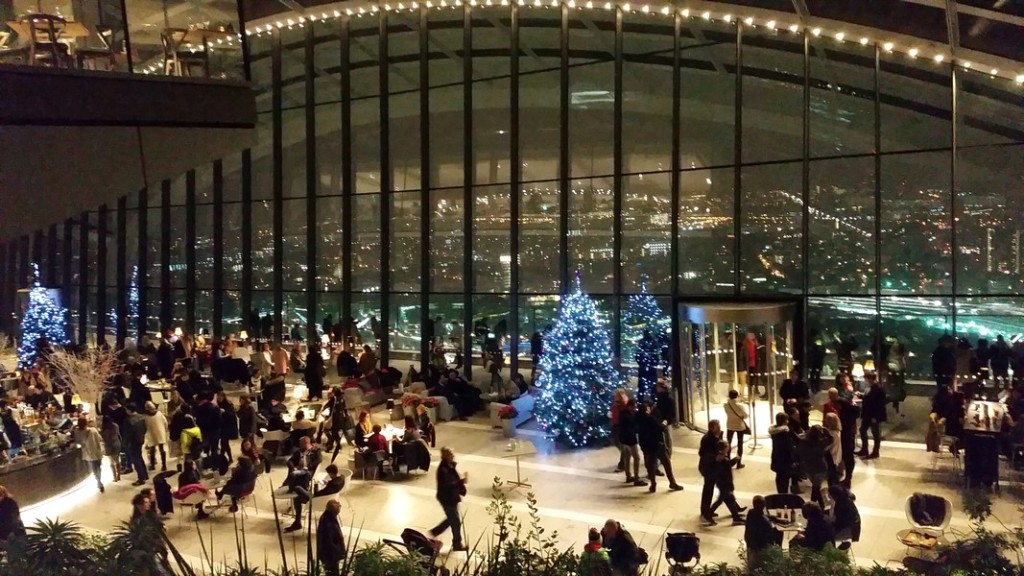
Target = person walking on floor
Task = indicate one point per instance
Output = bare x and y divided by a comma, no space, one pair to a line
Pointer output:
330,542
450,489
651,434
133,436
871,417
91,442
619,401
111,435
783,462
156,436
630,443
736,424
707,453
723,481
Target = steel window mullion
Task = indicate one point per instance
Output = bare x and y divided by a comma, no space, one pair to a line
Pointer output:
877,102
246,287
617,287
515,174
166,310
467,188
120,287
278,189
190,252
52,250
101,273
347,176
83,277
141,247
737,191
37,247
563,154
385,187
425,204
217,311
675,183
805,187
312,180
954,240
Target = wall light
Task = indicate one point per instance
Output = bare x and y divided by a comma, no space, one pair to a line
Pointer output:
840,36
816,31
887,46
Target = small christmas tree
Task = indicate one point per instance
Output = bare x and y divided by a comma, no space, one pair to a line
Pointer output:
577,378
645,338
45,321
133,303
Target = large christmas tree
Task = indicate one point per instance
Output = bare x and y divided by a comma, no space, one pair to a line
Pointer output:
44,320
577,378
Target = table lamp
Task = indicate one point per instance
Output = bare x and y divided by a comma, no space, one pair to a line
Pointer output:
869,365
858,371
243,335
177,332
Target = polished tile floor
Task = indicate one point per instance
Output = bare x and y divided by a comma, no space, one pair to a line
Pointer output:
574,490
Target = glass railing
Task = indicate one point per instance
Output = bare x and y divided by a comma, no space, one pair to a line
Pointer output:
186,38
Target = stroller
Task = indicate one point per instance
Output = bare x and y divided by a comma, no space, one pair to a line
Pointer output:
426,549
680,549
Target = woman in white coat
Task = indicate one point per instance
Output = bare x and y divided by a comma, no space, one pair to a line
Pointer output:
156,436
91,443
736,424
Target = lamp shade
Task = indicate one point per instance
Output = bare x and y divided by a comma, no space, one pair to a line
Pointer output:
858,371
869,365
177,332
243,335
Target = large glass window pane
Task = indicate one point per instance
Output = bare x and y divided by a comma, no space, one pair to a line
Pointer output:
706,234
773,95
988,109
204,246
842,226
772,228
591,244
294,315
179,240
447,313
404,103
988,318
329,251
492,262
647,92
491,87
262,244
708,98
989,208
293,148
366,247
446,98
647,232
842,97
366,314
916,239
841,332
153,227
591,95
539,86
405,241
916,100
293,241
366,144
204,311
232,322
262,159
405,331
918,324
539,233
232,245
446,240
490,326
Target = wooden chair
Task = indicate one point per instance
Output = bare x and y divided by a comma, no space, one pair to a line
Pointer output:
101,53
179,62
44,40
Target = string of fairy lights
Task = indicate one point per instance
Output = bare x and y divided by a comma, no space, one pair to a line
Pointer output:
911,51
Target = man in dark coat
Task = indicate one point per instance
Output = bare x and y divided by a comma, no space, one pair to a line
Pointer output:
872,416
165,357
783,455
330,542
450,489
208,419
795,392
759,533
706,466
133,436
623,553
651,433
314,374
944,361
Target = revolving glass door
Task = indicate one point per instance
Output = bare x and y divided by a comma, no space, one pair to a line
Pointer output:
746,347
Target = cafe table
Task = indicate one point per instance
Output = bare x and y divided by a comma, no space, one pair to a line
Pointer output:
517,450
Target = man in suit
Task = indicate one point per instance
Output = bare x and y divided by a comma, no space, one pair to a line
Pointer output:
303,464
333,485
330,542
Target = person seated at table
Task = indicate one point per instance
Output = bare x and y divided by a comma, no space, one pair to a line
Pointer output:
363,429
333,484
274,389
844,516
41,398
425,425
759,532
412,431
301,423
258,457
274,413
817,533
189,483
376,442
303,463
241,483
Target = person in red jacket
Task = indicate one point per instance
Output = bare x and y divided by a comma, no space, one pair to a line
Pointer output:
619,401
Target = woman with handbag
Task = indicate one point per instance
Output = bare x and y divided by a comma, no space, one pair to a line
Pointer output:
736,424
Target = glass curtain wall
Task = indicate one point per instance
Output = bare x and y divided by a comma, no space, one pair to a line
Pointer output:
440,173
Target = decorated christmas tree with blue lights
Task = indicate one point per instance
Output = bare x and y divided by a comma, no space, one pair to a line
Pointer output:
133,302
577,378
44,321
645,338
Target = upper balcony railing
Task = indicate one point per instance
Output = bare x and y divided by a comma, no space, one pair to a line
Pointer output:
185,38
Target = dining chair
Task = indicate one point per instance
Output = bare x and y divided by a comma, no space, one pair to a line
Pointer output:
44,40
99,53
179,61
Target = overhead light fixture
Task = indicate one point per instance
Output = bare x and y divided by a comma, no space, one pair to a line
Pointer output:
864,41
939,57
749,21
666,10
994,71
887,46
645,9
816,31
770,24
912,53
840,36
1020,78
686,12
728,18
794,28
625,7
966,64
706,15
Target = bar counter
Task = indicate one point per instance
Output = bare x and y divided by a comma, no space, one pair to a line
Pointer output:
38,478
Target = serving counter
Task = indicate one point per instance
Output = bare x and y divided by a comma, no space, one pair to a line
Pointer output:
37,478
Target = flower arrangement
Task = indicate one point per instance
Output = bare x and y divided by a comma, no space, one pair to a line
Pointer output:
410,400
429,402
507,412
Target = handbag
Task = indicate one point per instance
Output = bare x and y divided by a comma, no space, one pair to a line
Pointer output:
746,427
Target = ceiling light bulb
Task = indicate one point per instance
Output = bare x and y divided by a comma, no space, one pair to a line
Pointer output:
749,21
816,31
939,57
728,18
706,15
645,9
864,41
1020,78
794,28
686,12
840,36
994,71
888,46
967,64
572,3
912,53
666,10
771,24
625,7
